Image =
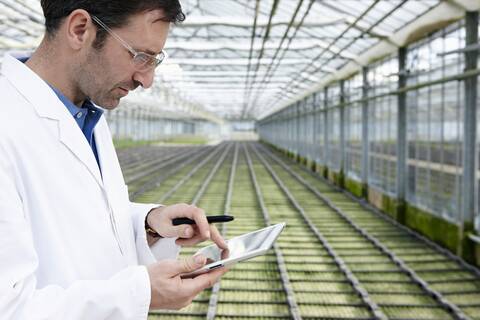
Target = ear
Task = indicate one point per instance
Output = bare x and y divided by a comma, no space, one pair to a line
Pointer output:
80,30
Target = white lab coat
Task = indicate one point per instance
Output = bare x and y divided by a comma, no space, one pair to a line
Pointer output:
72,245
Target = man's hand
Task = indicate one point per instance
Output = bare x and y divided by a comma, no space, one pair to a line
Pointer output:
160,220
169,291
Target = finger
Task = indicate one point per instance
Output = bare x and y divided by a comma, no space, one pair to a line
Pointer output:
190,264
221,271
182,231
204,281
169,267
217,238
201,221
192,212
225,254
190,242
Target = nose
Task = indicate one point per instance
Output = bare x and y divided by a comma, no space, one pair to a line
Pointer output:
144,78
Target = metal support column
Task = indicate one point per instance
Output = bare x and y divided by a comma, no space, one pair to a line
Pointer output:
307,129
301,128
314,149
291,122
342,134
127,122
365,141
402,136
325,127
469,131
142,123
117,124
297,130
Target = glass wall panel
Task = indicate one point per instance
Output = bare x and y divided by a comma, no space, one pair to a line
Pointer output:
320,128
309,123
382,113
435,124
353,127
333,116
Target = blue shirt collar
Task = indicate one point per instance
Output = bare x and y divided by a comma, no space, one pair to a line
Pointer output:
74,109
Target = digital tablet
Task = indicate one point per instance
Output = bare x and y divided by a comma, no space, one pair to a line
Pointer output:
240,248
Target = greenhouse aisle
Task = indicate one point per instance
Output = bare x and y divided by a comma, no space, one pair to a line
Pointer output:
337,258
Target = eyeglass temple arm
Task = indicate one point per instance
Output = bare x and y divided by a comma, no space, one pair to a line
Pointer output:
113,34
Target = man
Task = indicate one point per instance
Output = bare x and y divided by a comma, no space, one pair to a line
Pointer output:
72,246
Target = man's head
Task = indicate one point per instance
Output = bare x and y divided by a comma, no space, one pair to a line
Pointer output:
93,40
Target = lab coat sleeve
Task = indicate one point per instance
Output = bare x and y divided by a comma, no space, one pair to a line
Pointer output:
164,248
124,296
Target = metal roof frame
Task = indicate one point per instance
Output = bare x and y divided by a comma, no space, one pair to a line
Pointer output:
247,59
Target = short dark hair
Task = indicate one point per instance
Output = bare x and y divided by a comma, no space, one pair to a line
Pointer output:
114,13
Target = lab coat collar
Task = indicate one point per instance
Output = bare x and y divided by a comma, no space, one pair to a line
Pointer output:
47,105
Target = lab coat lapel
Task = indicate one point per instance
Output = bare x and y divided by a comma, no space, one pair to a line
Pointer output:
111,171
72,137
47,105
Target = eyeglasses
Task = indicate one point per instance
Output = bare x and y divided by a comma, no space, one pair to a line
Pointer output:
141,60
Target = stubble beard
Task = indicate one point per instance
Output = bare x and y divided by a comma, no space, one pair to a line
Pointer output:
93,80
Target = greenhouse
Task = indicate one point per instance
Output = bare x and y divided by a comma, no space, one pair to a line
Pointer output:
355,122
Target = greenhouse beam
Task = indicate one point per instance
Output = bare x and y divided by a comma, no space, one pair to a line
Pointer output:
469,131
402,134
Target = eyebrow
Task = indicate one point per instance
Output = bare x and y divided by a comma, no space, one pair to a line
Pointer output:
153,53
162,19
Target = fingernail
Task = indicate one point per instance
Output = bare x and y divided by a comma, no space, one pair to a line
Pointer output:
198,259
187,232
208,234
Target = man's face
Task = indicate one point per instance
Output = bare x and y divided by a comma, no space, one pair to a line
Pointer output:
108,74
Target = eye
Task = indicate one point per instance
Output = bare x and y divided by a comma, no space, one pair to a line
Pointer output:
142,58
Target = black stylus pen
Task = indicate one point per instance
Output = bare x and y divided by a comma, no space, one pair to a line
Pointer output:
210,219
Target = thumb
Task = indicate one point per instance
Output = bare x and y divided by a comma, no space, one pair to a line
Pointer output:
191,263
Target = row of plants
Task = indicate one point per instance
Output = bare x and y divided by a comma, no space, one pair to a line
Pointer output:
459,286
